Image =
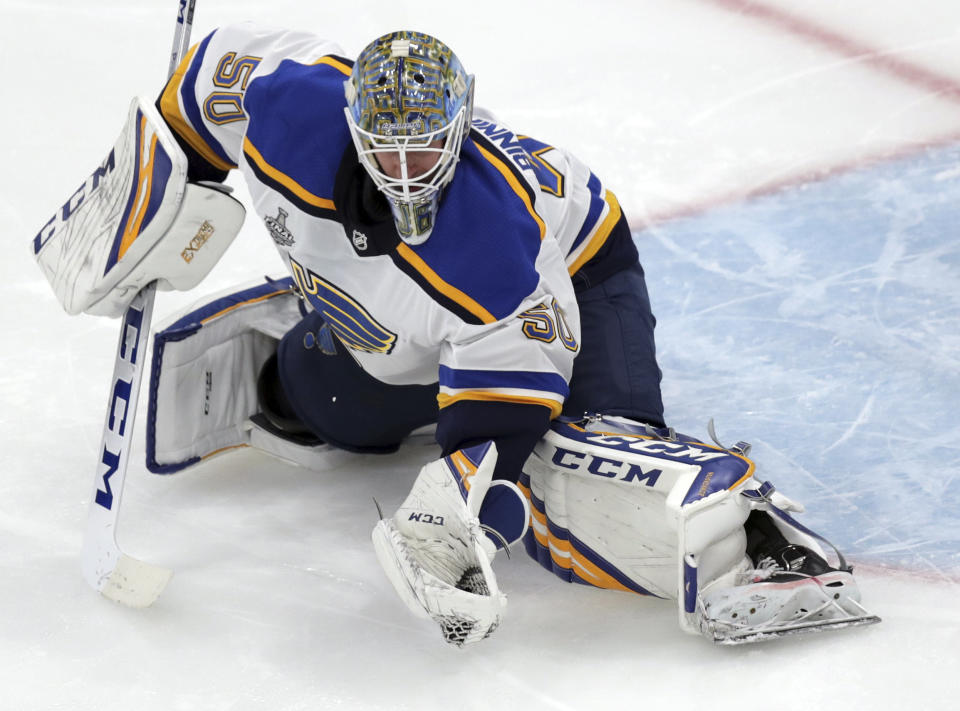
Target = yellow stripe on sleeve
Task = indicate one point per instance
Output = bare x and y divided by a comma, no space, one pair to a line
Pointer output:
515,185
448,290
444,400
285,180
600,236
336,64
170,108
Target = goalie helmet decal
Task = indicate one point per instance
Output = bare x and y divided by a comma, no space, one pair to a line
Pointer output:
407,84
409,106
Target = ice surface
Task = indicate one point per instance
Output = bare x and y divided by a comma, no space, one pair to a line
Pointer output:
821,323
817,320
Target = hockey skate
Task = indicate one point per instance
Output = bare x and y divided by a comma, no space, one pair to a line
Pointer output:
789,590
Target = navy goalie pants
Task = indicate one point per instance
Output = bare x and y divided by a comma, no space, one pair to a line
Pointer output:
614,373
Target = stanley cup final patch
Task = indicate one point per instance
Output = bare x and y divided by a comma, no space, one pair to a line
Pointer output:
278,228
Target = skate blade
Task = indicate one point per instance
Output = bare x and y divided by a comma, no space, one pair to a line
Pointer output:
749,636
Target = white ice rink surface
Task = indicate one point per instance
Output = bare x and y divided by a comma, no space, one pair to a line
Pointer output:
792,168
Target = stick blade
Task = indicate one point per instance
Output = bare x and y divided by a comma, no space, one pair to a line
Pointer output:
118,576
134,583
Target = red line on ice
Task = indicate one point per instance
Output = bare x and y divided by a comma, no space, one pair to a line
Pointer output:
807,175
944,86
882,60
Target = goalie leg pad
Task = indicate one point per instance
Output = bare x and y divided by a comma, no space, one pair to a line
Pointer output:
203,381
606,506
623,506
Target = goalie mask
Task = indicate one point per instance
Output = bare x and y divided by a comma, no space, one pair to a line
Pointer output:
409,106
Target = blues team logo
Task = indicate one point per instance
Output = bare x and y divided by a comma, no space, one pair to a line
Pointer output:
278,228
347,318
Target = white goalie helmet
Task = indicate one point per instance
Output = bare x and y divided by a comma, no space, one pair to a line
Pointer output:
409,107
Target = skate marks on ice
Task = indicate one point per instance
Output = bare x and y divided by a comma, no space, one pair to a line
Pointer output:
821,324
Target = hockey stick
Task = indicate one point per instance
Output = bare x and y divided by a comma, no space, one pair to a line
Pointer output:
108,569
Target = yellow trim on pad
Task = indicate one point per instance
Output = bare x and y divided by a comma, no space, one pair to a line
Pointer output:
142,196
244,303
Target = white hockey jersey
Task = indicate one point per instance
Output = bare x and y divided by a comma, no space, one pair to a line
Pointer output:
485,306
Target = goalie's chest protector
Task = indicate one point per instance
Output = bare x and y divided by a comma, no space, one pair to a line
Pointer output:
396,308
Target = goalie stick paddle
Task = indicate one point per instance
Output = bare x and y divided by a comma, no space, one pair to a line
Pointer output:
106,567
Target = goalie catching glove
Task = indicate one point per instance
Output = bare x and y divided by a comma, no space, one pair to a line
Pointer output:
134,221
437,548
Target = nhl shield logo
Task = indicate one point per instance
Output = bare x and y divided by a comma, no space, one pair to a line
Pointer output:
278,228
360,241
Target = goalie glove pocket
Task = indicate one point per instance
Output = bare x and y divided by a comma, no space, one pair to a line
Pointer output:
435,552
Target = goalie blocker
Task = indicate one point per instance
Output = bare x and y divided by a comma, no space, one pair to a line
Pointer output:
134,221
